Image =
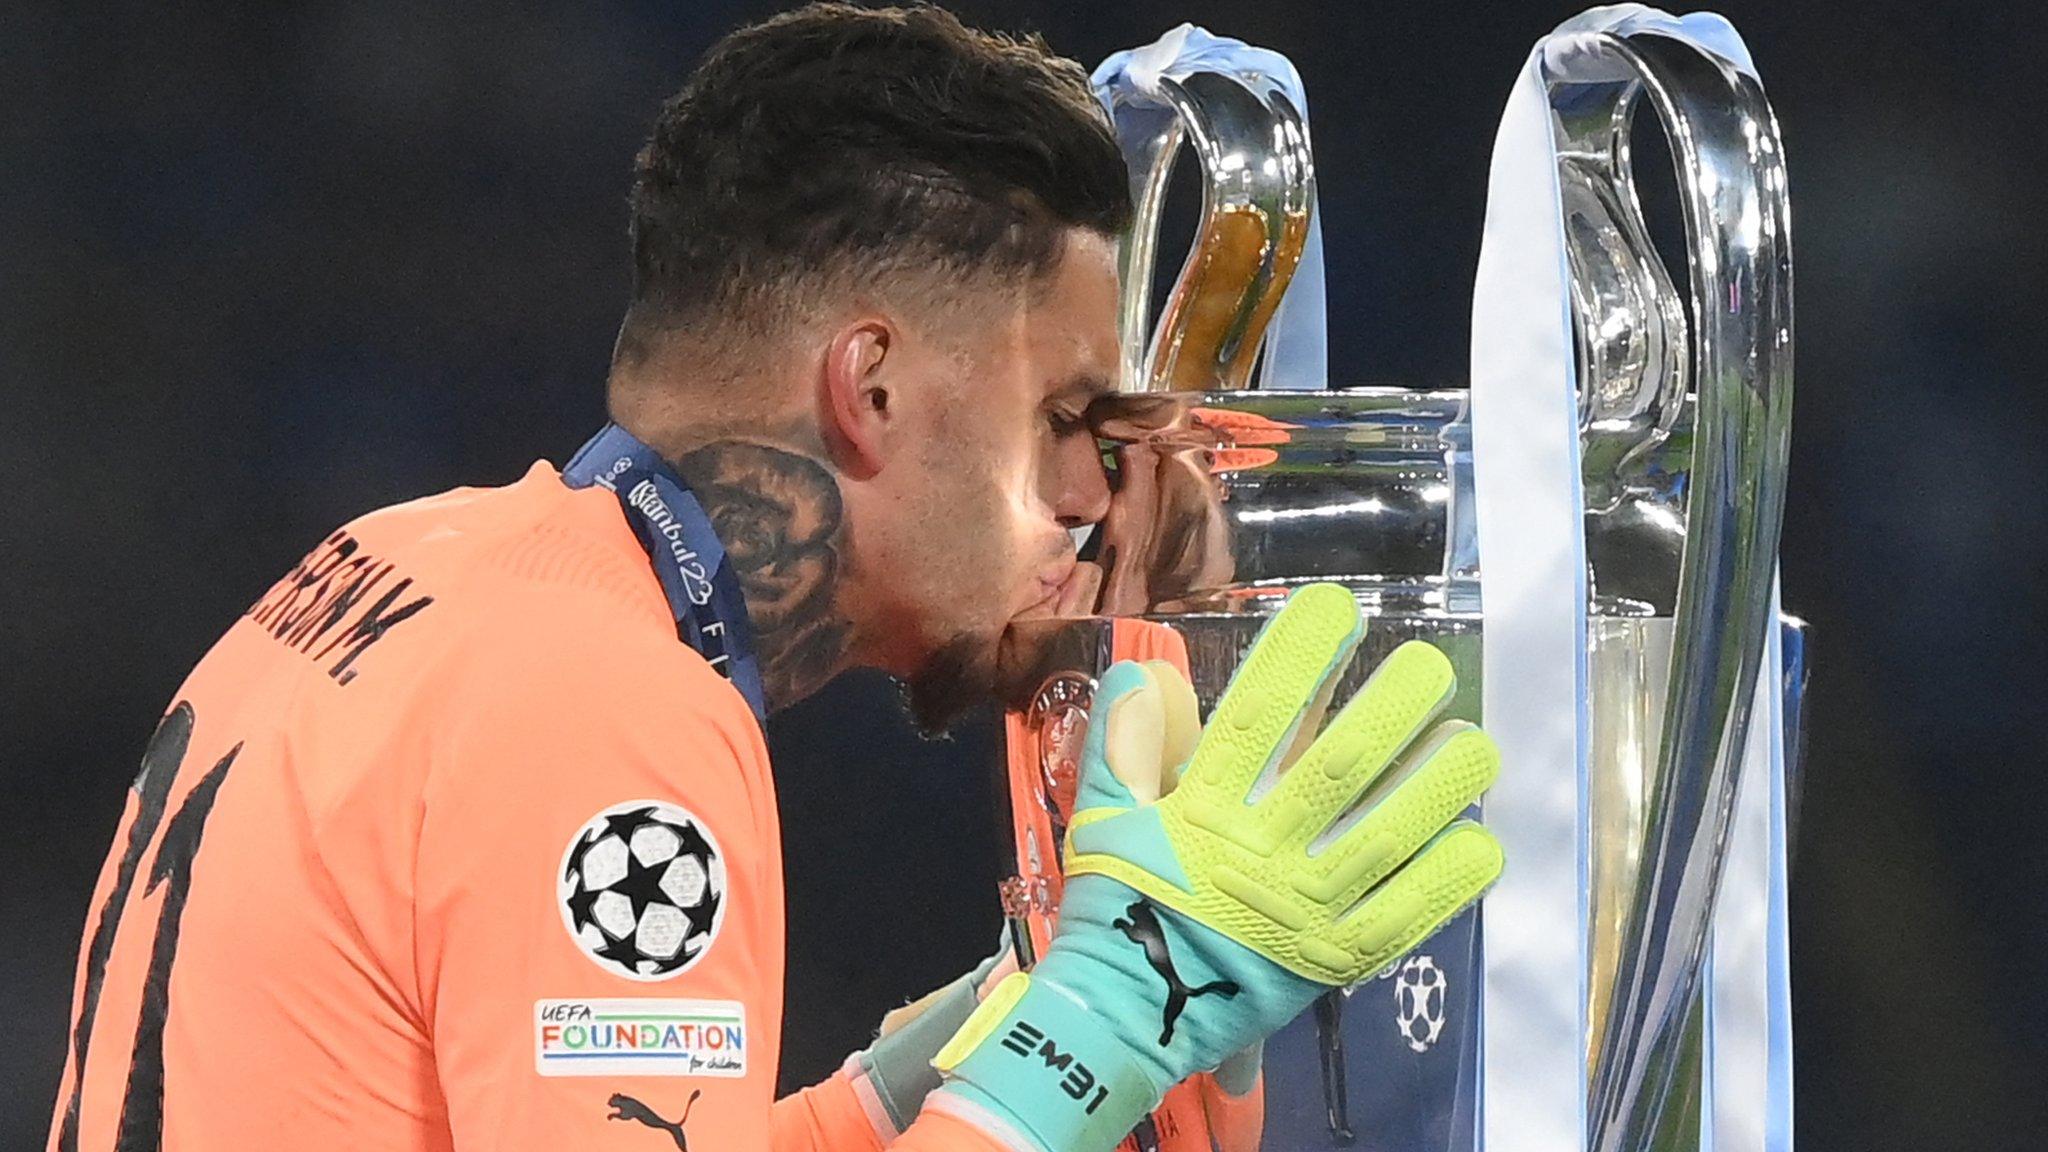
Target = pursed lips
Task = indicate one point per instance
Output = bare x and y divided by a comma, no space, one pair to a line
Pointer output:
1051,586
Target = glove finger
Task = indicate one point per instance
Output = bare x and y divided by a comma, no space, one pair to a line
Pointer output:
1434,781
1447,876
1126,738
1398,700
1182,721
1004,965
1298,655
1239,1072
1005,950
1305,730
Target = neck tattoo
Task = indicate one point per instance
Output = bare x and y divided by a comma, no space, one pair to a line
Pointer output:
779,516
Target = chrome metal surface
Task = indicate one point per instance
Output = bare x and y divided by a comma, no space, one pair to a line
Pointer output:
1258,187
1629,322
1369,486
1628,680
1628,317
1730,166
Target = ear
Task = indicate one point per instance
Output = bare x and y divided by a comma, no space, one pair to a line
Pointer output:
856,407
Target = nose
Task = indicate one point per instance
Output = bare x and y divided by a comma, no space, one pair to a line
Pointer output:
1080,495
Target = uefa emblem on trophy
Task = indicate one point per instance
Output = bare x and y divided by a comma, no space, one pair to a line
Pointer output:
1589,533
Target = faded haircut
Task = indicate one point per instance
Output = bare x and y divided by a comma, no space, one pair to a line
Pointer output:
833,148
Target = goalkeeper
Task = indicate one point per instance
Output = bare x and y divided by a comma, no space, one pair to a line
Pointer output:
464,835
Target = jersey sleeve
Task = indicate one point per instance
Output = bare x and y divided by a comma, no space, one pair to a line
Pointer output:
598,900
598,905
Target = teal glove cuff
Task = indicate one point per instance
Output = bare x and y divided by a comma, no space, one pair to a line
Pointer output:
898,1067
1045,1066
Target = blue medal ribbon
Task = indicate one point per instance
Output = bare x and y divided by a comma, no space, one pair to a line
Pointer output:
702,589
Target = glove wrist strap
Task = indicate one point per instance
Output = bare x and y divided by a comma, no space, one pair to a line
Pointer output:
897,1069
1050,1069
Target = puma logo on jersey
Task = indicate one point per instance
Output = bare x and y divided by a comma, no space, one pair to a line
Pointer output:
1144,929
624,1107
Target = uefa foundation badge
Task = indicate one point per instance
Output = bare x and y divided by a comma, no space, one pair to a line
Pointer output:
642,889
639,1038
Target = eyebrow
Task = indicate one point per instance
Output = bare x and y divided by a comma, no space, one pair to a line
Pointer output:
1091,386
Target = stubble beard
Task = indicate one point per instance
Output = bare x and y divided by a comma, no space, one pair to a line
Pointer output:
960,674
954,680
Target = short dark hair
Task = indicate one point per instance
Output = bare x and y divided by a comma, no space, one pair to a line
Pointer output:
836,141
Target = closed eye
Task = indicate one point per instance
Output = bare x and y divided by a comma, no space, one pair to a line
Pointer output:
1065,423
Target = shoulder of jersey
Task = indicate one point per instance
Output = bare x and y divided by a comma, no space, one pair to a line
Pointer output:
534,576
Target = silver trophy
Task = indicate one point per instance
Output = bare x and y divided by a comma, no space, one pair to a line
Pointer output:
1230,495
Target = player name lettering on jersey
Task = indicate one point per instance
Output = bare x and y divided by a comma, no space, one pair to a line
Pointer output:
640,1037
324,605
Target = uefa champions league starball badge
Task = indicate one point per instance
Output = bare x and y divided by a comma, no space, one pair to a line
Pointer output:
1421,995
642,889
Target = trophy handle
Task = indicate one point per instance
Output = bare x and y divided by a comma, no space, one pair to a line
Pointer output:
1258,194
1731,175
1628,318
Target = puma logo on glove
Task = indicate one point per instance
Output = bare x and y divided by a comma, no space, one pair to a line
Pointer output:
1142,926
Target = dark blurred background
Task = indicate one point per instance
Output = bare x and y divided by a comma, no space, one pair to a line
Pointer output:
265,267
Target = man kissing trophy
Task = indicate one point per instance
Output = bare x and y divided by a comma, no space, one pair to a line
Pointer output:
1590,534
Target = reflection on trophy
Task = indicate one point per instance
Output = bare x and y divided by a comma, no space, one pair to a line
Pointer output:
1239,476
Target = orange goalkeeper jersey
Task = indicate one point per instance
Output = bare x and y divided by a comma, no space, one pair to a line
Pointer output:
449,843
